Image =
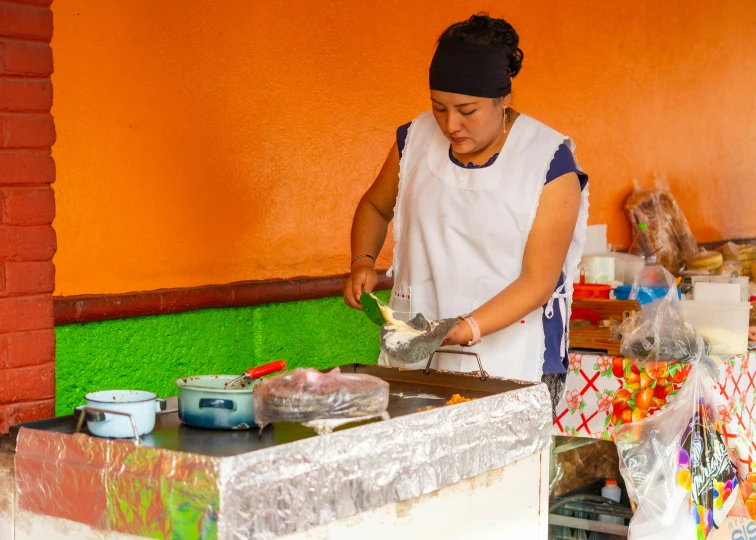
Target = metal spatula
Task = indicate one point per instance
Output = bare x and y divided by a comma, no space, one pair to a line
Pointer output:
420,347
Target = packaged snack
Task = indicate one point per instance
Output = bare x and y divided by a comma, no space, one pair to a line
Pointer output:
667,233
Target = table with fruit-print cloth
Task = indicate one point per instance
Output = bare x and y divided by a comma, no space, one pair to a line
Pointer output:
604,391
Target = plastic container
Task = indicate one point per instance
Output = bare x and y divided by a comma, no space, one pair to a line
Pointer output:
589,292
610,267
599,269
742,281
717,292
623,292
627,266
723,324
645,295
612,492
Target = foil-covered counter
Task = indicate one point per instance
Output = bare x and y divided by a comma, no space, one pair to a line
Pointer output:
118,485
160,493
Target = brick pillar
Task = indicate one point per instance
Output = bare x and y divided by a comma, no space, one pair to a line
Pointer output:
27,208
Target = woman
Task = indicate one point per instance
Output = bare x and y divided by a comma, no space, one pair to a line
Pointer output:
489,210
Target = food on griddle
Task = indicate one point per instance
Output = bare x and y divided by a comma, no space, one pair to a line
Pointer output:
303,395
456,399
428,408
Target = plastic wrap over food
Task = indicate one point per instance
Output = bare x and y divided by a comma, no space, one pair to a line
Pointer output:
658,332
667,230
314,481
676,464
303,395
116,485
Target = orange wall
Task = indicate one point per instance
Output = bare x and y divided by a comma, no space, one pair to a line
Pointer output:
208,142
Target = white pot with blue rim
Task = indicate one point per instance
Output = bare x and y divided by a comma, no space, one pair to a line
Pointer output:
121,414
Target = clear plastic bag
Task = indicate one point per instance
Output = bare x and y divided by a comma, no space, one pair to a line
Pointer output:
731,252
667,232
731,268
658,333
654,283
676,464
304,395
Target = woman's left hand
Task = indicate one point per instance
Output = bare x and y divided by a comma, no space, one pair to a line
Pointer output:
460,334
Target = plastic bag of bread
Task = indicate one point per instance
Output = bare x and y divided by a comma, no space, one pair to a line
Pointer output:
739,254
730,251
303,395
667,229
731,268
748,257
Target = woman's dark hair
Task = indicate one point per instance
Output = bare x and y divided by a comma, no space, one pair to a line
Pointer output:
487,30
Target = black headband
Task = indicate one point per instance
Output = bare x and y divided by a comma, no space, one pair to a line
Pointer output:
471,69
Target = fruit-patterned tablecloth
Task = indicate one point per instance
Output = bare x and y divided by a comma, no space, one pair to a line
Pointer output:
605,391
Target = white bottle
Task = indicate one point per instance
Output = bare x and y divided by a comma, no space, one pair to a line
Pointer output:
613,492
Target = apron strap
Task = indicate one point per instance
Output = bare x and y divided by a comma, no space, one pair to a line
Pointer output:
561,295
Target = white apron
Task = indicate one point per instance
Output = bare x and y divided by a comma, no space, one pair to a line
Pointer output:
460,239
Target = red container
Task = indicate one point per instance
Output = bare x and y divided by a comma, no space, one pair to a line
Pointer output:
589,291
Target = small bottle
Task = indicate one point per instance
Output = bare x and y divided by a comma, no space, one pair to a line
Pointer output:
612,492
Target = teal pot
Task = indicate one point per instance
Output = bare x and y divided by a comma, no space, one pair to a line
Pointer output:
205,402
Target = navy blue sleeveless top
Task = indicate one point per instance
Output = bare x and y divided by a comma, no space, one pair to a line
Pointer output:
562,163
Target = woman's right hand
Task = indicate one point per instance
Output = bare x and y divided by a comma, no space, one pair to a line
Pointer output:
362,279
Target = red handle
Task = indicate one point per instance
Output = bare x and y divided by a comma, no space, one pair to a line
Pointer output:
266,369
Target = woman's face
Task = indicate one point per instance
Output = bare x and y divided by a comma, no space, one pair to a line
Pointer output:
470,123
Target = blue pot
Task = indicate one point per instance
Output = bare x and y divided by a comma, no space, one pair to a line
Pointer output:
204,402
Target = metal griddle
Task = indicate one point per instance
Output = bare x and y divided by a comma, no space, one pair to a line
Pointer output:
434,388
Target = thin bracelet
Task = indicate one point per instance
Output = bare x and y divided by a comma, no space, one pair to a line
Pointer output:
358,257
474,327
